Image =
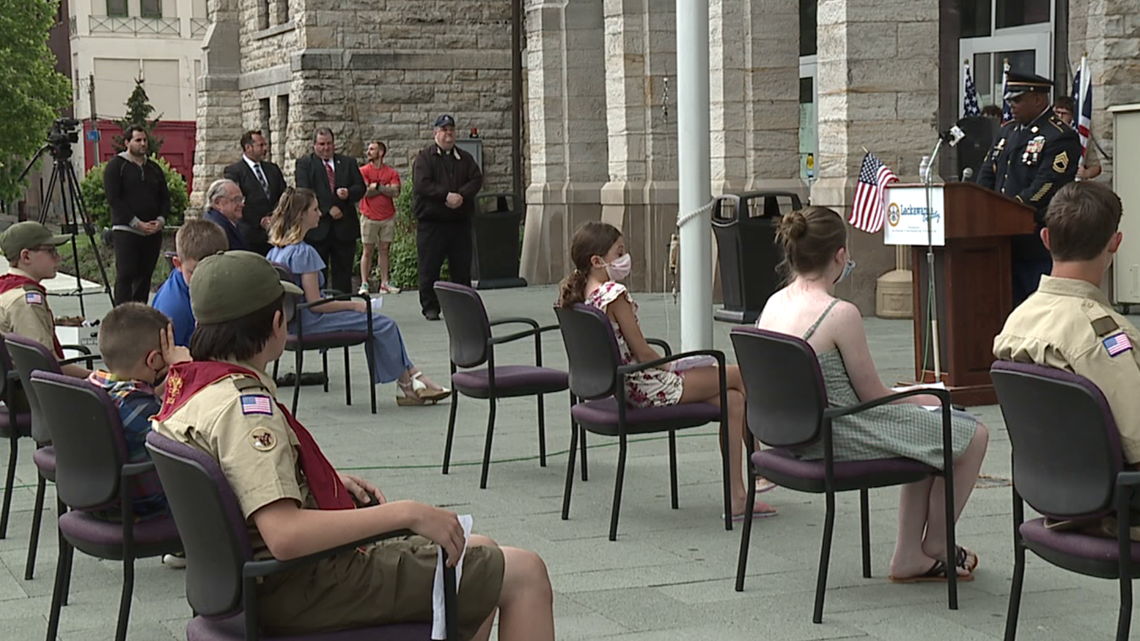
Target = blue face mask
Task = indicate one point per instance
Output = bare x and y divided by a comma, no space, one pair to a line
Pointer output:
847,269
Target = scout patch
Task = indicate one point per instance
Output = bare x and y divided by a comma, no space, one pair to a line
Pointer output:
1104,325
1117,344
256,404
33,298
262,439
1061,162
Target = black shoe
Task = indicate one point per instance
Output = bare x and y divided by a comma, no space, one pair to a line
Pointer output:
431,315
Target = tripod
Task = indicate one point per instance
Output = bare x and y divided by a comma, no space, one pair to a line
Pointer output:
74,211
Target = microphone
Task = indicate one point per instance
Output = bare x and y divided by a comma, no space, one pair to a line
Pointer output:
967,174
952,136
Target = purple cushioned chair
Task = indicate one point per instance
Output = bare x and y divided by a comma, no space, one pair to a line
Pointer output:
472,345
221,573
301,342
14,425
598,377
27,356
1058,421
92,474
788,407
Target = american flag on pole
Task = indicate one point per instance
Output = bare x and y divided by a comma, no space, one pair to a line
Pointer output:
1082,98
867,209
1006,112
971,108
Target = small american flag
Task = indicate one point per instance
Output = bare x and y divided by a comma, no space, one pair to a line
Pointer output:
1117,344
971,108
1006,112
1082,98
256,404
867,209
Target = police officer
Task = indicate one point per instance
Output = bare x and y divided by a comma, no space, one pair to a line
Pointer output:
1035,155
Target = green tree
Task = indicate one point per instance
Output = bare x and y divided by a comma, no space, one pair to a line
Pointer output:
33,91
139,110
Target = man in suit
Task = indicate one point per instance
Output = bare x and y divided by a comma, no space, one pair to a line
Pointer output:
262,184
1035,155
339,186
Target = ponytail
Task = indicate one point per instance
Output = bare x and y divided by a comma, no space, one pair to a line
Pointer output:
572,289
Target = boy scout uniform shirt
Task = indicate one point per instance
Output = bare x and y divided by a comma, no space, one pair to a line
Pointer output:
1069,324
24,311
250,439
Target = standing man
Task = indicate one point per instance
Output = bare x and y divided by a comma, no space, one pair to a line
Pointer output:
262,184
1035,155
446,181
1089,167
337,182
224,206
140,202
378,216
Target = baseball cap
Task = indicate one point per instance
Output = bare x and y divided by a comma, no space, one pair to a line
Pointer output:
229,285
27,235
444,121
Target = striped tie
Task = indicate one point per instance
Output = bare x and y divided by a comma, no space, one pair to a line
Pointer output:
332,176
261,178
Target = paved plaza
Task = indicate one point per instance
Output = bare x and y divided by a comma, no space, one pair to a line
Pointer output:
670,574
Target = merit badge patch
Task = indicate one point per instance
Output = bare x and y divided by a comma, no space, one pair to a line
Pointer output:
256,404
34,298
1117,344
262,439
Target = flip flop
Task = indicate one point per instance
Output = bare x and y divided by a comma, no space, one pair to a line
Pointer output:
936,573
963,556
764,485
756,514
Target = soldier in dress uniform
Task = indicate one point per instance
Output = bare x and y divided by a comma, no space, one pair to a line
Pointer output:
1035,155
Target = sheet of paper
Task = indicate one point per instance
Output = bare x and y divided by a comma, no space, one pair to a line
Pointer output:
907,388
377,303
438,615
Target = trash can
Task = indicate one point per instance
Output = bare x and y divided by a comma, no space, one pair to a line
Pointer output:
495,236
745,229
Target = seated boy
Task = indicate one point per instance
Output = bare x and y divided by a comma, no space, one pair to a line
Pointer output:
1068,323
196,239
296,504
131,341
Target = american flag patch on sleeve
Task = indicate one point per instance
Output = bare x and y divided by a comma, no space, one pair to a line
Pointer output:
1117,344
256,404
33,298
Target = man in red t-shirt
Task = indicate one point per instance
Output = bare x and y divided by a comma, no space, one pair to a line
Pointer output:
377,224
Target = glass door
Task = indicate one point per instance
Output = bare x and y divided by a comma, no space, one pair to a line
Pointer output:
809,120
1026,52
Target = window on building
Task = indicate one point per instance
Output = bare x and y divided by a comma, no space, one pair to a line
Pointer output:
263,121
282,11
1016,13
117,7
282,133
150,8
976,18
808,31
263,14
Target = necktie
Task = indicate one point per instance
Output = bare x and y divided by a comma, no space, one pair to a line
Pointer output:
261,179
332,176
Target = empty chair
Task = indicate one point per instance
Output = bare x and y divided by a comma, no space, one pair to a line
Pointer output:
597,377
788,407
91,474
1058,421
222,575
472,345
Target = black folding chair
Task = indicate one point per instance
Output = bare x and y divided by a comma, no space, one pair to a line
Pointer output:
788,407
14,425
1068,465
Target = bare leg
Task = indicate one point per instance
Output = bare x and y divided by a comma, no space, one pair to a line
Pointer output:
909,559
366,263
526,603
966,470
382,262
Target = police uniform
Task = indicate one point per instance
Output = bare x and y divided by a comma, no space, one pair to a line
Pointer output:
1069,324
1030,162
236,421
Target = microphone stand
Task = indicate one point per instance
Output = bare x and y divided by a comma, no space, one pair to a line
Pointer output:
932,301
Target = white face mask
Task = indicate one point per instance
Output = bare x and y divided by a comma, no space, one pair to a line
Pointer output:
620,268
847,269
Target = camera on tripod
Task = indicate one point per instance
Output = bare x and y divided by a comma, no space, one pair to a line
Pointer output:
64,132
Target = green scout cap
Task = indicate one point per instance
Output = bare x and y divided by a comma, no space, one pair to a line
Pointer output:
27,235
230,285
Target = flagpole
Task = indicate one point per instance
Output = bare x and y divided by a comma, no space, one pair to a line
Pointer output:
1079,108
932,299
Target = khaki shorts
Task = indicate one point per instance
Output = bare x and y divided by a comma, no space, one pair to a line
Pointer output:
377,231
389,582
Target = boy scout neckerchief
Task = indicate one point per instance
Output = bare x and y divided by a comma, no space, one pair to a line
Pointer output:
12,281
187,379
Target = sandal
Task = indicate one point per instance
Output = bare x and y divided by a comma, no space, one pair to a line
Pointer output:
962,558
764,485
936,573
409,396
426,393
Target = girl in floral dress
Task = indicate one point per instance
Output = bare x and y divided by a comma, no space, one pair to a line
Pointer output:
600,261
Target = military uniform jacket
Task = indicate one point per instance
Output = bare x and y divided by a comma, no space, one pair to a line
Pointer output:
1069,324
24,311
1030,163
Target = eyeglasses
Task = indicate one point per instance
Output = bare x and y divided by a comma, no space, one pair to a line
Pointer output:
52,250
238,200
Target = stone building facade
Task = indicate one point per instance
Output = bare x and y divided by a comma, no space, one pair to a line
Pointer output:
369,69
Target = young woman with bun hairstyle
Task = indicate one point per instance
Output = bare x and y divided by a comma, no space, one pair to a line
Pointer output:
816,257
600,261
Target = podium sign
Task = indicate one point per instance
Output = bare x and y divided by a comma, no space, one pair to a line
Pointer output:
906,222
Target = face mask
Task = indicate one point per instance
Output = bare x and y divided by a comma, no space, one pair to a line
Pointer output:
620,268
847,269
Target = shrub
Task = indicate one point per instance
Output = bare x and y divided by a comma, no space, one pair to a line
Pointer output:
89,268
100,210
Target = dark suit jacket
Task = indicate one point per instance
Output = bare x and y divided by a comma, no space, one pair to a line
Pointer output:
311,175
257,204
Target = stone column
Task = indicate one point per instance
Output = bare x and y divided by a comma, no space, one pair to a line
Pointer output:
219,99
567,126
641,195
878,88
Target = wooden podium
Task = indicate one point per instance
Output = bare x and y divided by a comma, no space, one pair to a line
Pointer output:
973,288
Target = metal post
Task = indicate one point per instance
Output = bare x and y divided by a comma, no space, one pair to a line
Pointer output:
517,104
693,172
